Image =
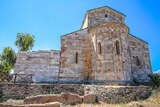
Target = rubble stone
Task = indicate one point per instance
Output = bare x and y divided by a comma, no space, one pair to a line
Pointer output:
87,93
89,98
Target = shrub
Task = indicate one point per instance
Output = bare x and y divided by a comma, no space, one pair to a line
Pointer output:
135,82
155,79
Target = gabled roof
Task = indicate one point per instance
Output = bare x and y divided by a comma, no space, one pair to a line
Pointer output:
74,32
107,8
138,38
123,15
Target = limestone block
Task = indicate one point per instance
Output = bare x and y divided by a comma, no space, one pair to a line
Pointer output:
41,64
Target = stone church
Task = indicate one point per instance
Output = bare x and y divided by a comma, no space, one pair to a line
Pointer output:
103,49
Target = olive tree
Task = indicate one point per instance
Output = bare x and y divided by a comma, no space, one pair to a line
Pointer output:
24,41
7,59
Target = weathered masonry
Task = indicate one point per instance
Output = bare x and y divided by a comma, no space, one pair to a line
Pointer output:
104,93
102,49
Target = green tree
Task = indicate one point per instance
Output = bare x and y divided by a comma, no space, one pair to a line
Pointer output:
25,41
7,59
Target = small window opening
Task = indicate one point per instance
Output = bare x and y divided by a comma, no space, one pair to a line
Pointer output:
99,48
117,48
76,58
138,61
106,15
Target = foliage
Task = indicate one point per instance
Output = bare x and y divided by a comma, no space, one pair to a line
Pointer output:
7,59
1,67
155,79
24,42
135,81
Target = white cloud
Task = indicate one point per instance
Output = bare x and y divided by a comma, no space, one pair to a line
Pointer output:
158,71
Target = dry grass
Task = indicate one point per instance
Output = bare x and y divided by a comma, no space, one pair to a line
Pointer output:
153,100
100,105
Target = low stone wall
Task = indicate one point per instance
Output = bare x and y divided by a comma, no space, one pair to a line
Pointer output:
104,93
64,98
20,91
118,94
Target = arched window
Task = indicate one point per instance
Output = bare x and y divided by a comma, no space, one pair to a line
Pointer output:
138,63
117,48
99,48
76,58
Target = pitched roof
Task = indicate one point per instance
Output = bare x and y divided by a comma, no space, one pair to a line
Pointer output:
138,38
107,8
102,8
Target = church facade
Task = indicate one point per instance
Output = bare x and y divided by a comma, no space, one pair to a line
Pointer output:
103,49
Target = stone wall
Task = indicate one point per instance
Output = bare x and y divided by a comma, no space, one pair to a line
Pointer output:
104,93
118,94
140,58
20,91
44,65
72,44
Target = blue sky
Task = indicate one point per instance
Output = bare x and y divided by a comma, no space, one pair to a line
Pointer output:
47,20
